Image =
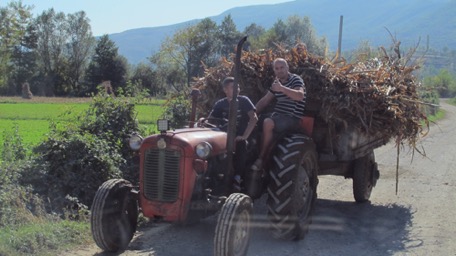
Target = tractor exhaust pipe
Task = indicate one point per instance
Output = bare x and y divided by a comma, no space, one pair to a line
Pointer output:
230,146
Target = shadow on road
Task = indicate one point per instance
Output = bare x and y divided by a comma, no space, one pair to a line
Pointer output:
338,228
365,228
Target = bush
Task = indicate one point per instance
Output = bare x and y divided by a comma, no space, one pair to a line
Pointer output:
72,164
75,160
13,148
114,120
444,83
18,204
177,110
429,95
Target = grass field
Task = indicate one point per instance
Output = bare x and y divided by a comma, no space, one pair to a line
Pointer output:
32,117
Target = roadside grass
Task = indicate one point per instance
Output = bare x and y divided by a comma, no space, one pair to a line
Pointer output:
438,116
441,113
44,237
452,101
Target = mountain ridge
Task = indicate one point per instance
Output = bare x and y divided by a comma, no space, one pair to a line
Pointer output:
408,21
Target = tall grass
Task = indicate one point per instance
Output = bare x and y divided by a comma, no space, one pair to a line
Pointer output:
43,237
452,101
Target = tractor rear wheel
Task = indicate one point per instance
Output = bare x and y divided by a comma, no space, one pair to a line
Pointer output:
232,233
292,189
365,175
114,215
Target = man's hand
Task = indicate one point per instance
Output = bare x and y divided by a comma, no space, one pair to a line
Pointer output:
239,138
200,122
276,86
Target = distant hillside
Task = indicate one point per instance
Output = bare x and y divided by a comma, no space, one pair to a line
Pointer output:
363,20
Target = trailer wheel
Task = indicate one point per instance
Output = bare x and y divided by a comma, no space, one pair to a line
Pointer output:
114,215
365,175
292,189
232,233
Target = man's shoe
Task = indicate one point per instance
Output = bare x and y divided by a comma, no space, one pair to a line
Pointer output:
257,165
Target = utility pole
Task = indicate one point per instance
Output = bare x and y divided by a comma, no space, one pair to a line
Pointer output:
339,45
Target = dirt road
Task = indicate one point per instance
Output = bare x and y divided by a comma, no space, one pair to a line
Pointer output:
419,220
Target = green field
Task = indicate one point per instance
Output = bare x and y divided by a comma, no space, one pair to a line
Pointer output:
32,120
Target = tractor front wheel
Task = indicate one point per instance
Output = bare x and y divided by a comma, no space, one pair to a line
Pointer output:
114,215
232,233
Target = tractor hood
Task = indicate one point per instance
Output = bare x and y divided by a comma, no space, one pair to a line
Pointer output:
187,139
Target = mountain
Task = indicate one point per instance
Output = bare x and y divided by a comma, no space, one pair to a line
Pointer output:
408,21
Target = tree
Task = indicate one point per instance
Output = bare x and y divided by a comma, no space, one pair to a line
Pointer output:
228,36
24,60
300,29
52,35
14,25
253,31
106,65
78,50
146,78
294,30
274,36
444,83
203,48
182,56
364,52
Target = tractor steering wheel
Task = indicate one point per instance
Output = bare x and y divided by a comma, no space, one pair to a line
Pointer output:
213,122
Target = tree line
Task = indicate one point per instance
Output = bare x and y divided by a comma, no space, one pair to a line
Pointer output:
56,54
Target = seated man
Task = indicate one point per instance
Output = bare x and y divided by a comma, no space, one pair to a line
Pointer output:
246,120
288,89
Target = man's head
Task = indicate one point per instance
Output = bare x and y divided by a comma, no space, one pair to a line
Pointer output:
280,67
227,86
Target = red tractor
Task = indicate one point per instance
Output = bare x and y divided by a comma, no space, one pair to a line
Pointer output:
187,174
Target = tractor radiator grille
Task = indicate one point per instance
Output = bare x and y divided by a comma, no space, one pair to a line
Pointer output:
161,175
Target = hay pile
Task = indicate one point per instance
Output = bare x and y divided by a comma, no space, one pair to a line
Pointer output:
377,96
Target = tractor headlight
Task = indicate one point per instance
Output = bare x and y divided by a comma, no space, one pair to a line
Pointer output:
135,141
203,150
161,143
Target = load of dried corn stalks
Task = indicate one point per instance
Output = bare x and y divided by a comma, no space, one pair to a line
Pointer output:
378,96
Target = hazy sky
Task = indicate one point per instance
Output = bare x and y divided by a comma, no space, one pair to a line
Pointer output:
113,16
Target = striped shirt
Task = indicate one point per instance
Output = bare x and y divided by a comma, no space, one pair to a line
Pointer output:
287,106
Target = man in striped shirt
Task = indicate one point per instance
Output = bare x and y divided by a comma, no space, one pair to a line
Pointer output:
289,91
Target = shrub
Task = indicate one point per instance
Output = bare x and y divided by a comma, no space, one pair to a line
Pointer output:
431,96
76,159
13,148
72,164
444,83
114,120
177,110
18,204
